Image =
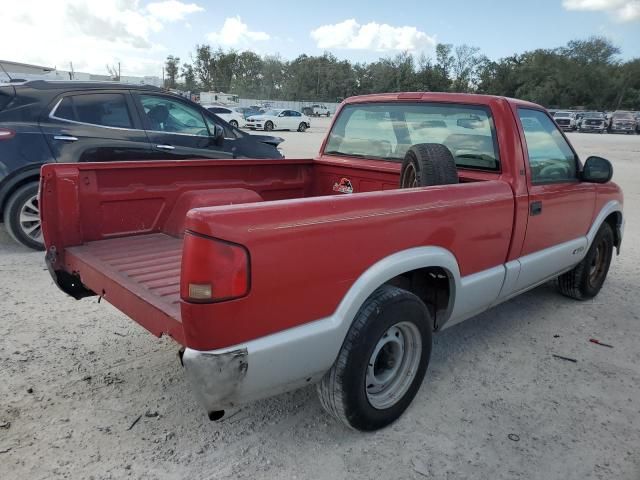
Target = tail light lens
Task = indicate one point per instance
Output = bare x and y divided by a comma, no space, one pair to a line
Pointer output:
213,270
7,133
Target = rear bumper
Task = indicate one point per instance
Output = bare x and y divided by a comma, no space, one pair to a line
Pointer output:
267,366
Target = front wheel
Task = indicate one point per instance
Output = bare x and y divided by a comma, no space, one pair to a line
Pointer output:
382,362
22,217
268,126
302,127
586,278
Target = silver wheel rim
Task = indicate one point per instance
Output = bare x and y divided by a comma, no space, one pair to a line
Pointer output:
30,219
393,365
410,179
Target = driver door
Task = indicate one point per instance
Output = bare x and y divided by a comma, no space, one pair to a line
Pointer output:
285,120
561,207
176,130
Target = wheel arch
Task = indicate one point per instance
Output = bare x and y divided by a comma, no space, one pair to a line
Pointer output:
406,269
31,174
611,213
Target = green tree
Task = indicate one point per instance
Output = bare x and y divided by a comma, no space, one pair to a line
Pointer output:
171,70
189,77
204,67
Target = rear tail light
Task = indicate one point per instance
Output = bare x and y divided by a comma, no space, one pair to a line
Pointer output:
213,270
7,133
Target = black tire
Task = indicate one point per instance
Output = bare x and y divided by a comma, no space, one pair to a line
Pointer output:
302,127
268,126
586,278
343,390
24,202
428,164
233,123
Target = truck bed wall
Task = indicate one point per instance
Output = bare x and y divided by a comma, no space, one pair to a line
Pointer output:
88,202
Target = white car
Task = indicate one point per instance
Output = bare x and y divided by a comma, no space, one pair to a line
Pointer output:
228,114
279,119
320,110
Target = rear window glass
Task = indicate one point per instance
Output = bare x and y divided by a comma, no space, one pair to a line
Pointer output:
104,109
386,131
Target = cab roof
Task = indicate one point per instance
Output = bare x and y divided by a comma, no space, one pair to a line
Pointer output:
470,98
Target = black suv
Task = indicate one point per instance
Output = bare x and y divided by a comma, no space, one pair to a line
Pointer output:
44,121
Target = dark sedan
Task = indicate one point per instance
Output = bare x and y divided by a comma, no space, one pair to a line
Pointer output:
44,121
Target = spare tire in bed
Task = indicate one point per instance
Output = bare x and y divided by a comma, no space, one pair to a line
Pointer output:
428,164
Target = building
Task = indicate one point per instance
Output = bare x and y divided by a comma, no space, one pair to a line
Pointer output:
24,71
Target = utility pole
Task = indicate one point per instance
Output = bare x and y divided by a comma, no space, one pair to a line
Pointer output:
71,72
119,76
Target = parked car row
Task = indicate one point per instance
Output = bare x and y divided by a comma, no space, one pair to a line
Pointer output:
614,122
48,121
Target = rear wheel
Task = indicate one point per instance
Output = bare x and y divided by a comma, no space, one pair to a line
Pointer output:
586,278
382,362
22,217
268,126
302,127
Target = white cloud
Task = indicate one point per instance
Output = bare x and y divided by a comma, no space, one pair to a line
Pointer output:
89,33
172,10
371,36
621,10
235,33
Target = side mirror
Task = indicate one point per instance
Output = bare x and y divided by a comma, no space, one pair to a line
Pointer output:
597,170
218,136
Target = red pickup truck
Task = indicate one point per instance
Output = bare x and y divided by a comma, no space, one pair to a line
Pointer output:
421,210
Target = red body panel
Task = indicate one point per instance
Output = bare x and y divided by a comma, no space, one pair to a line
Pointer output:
306,254
307,248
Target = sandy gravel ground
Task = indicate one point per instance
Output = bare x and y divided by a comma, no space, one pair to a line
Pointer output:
76,375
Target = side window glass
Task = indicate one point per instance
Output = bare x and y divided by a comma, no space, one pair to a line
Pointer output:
172,116
103,109
550,156
65,110
229,131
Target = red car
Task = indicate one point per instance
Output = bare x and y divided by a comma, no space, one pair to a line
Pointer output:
421,210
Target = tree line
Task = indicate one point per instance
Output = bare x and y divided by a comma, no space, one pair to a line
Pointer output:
585,73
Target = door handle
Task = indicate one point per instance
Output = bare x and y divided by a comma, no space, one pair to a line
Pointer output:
166,147
535,208
65,138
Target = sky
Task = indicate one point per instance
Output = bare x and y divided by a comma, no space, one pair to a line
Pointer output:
141,33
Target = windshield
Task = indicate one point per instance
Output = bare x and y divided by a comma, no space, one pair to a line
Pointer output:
623,116
562,114
593,115
273,113
386,131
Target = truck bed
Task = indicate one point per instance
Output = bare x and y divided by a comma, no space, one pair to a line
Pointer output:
139,275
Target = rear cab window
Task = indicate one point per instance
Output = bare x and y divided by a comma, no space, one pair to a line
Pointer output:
101,109
385,131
